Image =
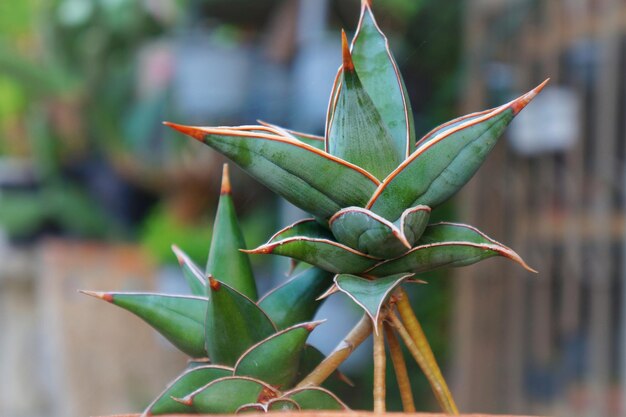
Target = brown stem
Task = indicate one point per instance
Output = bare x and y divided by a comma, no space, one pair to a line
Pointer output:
380,363
357,335
399,366
437,383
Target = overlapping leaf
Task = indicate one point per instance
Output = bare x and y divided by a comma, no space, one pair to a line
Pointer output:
446,245
441,165
357,133
186,383
180,319
307,177
226,262
276,359
233,323
295,301
382,80
311,243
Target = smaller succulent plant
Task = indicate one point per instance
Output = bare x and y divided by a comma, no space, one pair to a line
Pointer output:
247,353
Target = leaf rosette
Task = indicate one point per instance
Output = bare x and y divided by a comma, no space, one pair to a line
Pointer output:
246,353
369,184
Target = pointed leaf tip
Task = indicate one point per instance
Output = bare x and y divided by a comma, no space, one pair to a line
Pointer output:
366,3
348,65
101,295
214,284
226,189
523,101
309,327
192,131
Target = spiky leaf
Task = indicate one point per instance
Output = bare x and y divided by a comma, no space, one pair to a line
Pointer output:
315,398
192,274
186,383
233,323
295,300
368,233
311,357
381,79
226,395
275,360
447,245
440,166
369,294
307,177
226,262
180,319
283,404
326,254
357,133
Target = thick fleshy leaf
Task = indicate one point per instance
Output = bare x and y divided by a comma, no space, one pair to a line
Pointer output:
179,318
193,275
233,323
226,262
186,383
413,222
447,245
357,132
315,398
226,395
381,79
275,360
369,294
295,301
312,140
368,233
324,253
441,165
311,179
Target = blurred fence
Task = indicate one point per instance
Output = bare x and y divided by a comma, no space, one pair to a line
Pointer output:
551,344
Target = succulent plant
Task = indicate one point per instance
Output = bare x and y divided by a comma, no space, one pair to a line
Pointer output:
371,186
247,353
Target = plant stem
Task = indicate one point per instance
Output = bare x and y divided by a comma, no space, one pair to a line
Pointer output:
399,366
432,373
380,363
357,335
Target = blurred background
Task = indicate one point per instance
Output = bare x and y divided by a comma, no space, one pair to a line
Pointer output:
93,189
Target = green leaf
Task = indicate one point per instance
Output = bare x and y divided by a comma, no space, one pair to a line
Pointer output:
233,323
381,79
226,395
283,404
315,398
226,262
441,165
447,245
369,294
357,133
275,360
413,222
311,140
194,277
295,301
180,319
368,233
313,180
318,248
186,383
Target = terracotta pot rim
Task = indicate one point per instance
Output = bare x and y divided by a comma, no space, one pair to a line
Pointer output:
330,414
